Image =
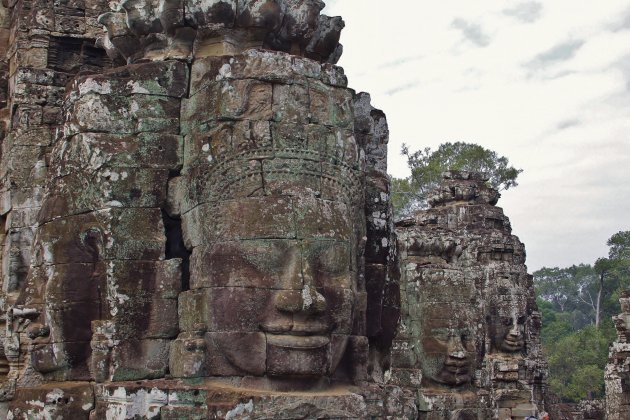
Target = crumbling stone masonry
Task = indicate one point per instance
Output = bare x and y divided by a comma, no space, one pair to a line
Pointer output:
617,376
469,329
198,225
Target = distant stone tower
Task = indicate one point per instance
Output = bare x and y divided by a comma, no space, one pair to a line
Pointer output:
469,330
617,377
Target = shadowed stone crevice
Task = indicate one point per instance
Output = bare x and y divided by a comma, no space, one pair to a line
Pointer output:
175,247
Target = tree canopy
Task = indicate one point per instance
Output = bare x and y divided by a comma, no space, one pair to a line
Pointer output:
577,304
427,166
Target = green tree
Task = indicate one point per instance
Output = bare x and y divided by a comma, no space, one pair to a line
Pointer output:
576,364
577,304
619,245
613,273
427,166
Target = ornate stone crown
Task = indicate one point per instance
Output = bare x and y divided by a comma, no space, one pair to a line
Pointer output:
179,29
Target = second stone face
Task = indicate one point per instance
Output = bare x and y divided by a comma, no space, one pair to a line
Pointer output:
468,317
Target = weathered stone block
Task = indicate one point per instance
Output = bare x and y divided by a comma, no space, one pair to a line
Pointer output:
330,106
252,263
134,114
223,348
102,235
247,218
251,135
143,316
188,356
322,219
288,136
217,12
58,400
160,279
241,177
106,188
128,401
89,152
199,309
228,100
290,103
133,360
292,177
170,412
159,78
283,361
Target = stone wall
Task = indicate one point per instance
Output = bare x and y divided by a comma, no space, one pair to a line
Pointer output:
44,44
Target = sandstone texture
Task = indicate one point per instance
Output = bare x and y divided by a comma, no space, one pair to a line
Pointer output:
197,224
617,377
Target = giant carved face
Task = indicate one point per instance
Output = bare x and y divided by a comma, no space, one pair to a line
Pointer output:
447,346
507,326
275,278
446,326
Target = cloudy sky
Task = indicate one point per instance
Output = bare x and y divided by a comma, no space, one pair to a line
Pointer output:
545,84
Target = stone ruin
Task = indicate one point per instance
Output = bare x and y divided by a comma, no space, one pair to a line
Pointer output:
617,377
198,225
469,329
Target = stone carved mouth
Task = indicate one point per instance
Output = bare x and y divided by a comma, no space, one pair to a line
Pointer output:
296,328
303,342
511,344
512,347
297,335
456,366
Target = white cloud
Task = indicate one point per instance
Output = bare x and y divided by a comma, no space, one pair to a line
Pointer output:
527,12
550,89
472,31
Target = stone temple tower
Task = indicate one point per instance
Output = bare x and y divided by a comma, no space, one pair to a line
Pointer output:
197,224
213,213
469,330
617,376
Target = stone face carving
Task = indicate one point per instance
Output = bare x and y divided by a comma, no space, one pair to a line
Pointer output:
446,347
469,324
507,325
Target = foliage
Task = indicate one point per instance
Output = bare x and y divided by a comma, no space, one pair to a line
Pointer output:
577,362
571,291
427,166
575,339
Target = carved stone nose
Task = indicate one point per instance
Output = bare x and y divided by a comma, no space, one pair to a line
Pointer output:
456,348
515,330
308,300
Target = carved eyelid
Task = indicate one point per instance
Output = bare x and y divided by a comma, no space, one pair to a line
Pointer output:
321,260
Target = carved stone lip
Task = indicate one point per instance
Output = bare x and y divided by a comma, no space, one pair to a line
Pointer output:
296,328
456,363
459,370
301,342
512,345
